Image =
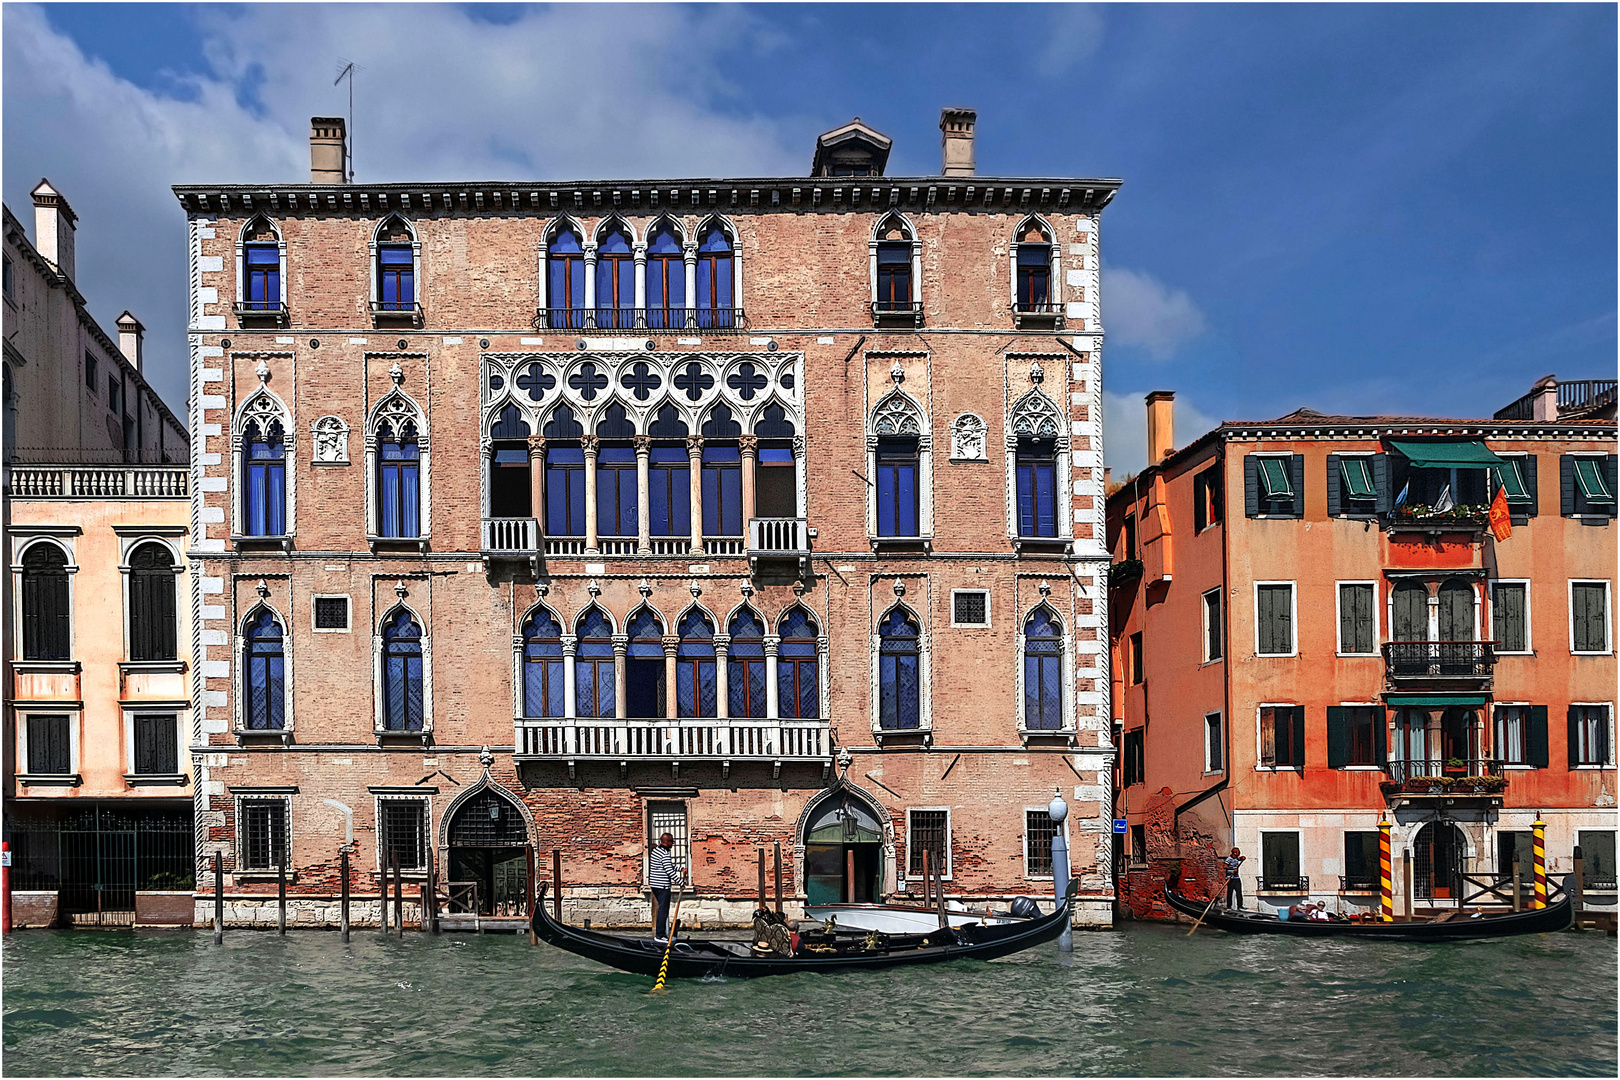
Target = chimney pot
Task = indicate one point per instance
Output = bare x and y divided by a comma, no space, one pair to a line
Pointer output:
328,150
130,334
54,227
1545,405
956,140
1161,438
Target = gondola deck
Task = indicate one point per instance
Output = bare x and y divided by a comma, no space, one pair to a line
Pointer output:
1467,927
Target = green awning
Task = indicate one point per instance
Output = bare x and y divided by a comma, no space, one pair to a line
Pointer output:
1274,478
1357,478
1511,477
1436,699
1447,454
1593,489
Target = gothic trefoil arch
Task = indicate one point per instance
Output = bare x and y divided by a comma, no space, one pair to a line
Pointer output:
393,415
1037,415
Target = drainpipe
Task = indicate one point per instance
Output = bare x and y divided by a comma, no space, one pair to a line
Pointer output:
1226,619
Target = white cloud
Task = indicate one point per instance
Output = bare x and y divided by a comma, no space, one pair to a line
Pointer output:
566,91
1138,309
1125,430
1073,34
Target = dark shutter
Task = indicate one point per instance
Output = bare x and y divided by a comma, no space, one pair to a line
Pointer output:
1333,485
155,746
1251,486
151,602
1609,470
1574,736
1381,733
1533,507
1338,738
1200,487
1298,747
1536,738
1566,485
1297,474
49,750
1380,478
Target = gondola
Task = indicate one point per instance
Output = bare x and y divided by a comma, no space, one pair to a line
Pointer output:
853,952
1448,926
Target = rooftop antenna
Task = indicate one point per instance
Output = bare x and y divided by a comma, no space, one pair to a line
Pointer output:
349,68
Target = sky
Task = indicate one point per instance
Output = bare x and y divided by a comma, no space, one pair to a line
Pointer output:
1357,208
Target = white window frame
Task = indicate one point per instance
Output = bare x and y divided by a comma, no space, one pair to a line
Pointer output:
1259,764
398,406
1299,496
683,844
1054,263
241,834
949,861
925,713
1492,486
1065,666
21,541
1608,617
925,470
348,614
281,250
1608,708
1293,619
1209,766
375,269
175,714
1219,593
1338,617
971,625
1387,736
75,715
378,718
1366,508
912,239
239,667
1260,859
1062,829
428,836
1602,456
1529,639
289,450
178,562
1524,735
1027,413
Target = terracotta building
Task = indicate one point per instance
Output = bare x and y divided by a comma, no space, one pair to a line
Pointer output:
756,510
1314,628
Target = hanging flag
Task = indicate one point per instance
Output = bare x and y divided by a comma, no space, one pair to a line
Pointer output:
1501,519
1444,502
1400,500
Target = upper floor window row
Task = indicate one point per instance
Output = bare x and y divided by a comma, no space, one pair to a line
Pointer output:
662,281
150,571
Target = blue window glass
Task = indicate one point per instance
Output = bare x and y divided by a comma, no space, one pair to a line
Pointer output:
893,277
264,689
565,282
396,277
798,687
1043,672
1034,277
398,488
694,667
899,672
565,491
616,491
1037,487
666,280
745,666
714,279
615,281
722,491
593,665
264,487
897,469
404,704
263,273
542,666
644,666
669,494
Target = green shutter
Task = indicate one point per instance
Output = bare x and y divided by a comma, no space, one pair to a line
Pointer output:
1574,737
1381,733
1590,481
1338,737
1536,738
1274,478
1511,477
1358,481
1299,737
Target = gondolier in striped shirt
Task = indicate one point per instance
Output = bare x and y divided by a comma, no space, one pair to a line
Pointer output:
662,876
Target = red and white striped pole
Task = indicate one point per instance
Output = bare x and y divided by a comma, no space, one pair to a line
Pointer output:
5,887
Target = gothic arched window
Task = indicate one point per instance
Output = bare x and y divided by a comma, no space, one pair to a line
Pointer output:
899,672
666,278
1043,671
543,690
565,281
593,665
745,666
264,686
798,686
694,667
404,696
615,280
716,307
264,480
398,480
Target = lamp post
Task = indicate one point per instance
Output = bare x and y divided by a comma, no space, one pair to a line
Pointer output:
1057,810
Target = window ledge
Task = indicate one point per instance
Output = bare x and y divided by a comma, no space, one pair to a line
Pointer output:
910,316
397,316
50,779
47,667
1056,545
263,875
1359,655
284,542
1589,768
155,667
398,543
1034,319
425,736
156,779
924,732
1583,652
246,735
248,317
1521,768
419,876
1065,735
1278,768
1360,768
902,543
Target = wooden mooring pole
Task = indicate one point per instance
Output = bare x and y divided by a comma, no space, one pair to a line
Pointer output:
281,895
779,877
219,898
528,891
1577,900
556,883
762,903
1406,868
343,902
1518,884
399,897
928,880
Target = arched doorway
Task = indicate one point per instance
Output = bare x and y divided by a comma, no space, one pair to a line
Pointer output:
843,852
1437,858
488,849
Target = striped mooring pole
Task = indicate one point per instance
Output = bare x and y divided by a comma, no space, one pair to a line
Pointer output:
1386,887
1538,854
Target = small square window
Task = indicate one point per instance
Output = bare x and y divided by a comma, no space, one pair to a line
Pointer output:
970,608
263,833
332,614
928,830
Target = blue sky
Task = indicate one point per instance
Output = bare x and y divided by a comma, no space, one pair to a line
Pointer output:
1358,208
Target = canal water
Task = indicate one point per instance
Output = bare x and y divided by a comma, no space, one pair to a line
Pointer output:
1142,1000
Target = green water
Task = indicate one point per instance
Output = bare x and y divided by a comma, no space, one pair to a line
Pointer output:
1143,1000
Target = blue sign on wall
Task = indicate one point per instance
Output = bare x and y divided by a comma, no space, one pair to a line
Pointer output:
1119,825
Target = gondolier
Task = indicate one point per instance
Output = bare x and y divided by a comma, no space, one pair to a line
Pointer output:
662,876
1234,883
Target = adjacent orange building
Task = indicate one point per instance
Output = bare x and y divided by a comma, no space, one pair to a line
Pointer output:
1314,628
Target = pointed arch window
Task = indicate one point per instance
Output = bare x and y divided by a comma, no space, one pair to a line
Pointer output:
644,690
151,603
264,483
716,304
543,687
893,254
666,279
798,682
565,281
899,672
46,621
1033,263
261,270
509,490
694,667
398,480
616,513
745,666
1037,468
669,476
775,484
593,665
615,280
1043,672
898,503
404,696
396,268
722,475
264,689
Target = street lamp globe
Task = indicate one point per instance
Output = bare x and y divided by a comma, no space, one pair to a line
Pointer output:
1057,809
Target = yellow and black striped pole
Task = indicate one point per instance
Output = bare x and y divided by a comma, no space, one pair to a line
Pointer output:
1386,888
1538,855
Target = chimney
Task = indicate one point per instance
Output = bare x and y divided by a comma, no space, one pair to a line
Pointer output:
1545,404
130,332
54,227
956,140
1161,437
328,150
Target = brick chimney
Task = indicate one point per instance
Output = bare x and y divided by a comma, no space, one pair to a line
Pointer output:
1545,404
54,227
328,150
130,332
956,139
1161,436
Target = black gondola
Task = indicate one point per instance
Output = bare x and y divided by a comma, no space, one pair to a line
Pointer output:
1450,926
853,952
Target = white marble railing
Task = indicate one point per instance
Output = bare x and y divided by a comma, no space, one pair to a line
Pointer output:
609,738
99,482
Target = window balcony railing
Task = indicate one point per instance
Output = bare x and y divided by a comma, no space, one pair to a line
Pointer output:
724,545
1294,883
1448,769
622,318
896,313
1038,313
260,313
99,482
1352,884
516,537
1124,571
1407,661
779,538
689,739
396,313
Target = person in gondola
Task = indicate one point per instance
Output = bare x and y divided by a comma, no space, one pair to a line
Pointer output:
662,876
1234,883
773,935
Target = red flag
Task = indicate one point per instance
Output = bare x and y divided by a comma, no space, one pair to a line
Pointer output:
1501,519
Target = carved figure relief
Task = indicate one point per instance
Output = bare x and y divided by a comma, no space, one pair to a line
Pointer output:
968,438
331,436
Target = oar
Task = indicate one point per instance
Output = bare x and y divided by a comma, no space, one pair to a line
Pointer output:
669,946
1199,921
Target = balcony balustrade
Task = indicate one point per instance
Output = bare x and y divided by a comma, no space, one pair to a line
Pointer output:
779,539
589,738
512,538
626,318
99,482
1416,661
1038,314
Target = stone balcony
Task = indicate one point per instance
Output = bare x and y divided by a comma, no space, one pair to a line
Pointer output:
570,740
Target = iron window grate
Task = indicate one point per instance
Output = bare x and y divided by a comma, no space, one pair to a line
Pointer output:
929,831
331,613
669,817
402,824
970,608
1039,828
264,833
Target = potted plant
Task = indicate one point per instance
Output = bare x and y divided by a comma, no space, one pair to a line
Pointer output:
1423,785
1456,766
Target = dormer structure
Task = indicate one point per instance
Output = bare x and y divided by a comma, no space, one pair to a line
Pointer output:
851,150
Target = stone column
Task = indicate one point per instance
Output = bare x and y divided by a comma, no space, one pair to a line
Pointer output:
694,453
643,446
689,251
570,646
621,644
588,443
749,446
671,643
537,485
722,687
773,704
639,254
590,284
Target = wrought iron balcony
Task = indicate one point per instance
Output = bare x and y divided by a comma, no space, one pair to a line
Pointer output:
396,313
1449,778
1296,883
779,539
1351,884
1417,661
588,738
628,318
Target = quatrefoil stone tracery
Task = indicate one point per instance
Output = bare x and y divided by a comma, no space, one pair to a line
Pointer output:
535,381
747,381
641,381
694,381
588,381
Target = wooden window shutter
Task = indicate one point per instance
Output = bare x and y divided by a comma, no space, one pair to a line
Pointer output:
1338,738
1251,486
1297,474
1200,487
1566,485
1536,738
1381,733
1528,472
1611,466
1333,485
1380,477
1574,736
1299,737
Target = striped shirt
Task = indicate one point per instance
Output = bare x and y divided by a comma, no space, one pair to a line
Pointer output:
661,872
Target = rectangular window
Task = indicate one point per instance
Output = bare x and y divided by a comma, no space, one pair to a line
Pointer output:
1590,482
1034,277
616,513
1136,658
1510,734
1282,736
1214,756
1207,509
1135,753
1274,619
669,494
50,753
1279,861
157,746
90,379
1511,477
1139,844
1588,735
1516,847
1597,860
1589,616
1128,531
263,833
1586,485
775,488
670,817
893,277
263,274
332,614
722,491
1273,485
970,607
402,830
930,830
6,287
1361,862
1356,636
897,487
1039,828
1356,736
1213,645
565,490
114,394
396,277
1510,616
1037,487
1357,495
